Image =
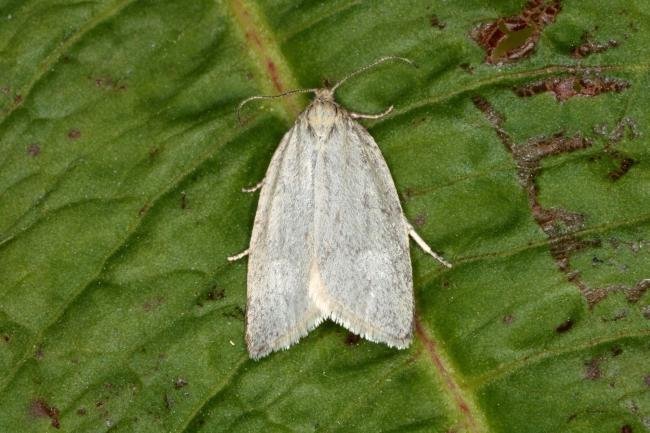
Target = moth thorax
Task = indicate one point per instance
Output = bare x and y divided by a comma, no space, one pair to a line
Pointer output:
322,115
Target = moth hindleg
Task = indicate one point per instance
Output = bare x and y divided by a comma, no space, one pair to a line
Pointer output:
238,256
425,247
254,188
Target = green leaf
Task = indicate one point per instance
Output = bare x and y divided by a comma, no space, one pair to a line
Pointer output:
520,149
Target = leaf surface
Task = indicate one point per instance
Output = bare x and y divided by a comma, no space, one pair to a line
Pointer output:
520,150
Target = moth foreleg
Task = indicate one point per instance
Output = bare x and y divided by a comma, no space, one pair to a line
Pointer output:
255,187
371,116
425,247
238,256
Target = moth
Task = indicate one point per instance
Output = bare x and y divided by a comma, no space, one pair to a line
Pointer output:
330,239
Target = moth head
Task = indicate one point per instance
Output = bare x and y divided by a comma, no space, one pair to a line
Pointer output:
324,94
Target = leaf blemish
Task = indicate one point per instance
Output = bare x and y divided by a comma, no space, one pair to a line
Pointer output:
467,68
33,150
420,220
513,38
613,137
39,408
592,369
74,134
508,319
558,224
180,383
589,46
273,74
565,88
435,22
564,326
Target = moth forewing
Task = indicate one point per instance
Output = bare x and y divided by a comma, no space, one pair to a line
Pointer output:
279,310
361,240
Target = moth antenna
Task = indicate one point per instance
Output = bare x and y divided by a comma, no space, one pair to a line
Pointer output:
372,65
252,98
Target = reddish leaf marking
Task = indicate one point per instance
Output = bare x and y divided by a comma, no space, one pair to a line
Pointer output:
40,408
513,38
33,149
589,47
256,39
557,224
446,375
74,134
592,369
567,87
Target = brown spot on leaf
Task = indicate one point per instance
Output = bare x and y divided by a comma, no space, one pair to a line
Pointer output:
564,326
74,134
495,118
513,38
568,87
180,383
592,369
420,220
616,350
635,293
6,338
646,380
434,21
18,99
33,149
274,75
39,408
153,152
82,411
559,225
625,127
624,166
215,294
508,319
352,339
467,68
626,429
589,46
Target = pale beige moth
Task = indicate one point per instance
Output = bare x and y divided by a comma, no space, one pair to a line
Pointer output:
330,239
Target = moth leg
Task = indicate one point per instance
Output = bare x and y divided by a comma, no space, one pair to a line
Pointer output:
371,116
425,247
238,256
254,188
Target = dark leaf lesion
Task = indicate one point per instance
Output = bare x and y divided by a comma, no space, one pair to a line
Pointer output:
509,39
